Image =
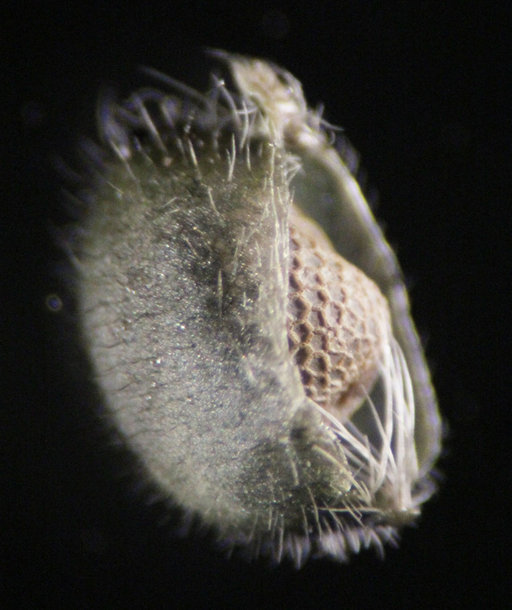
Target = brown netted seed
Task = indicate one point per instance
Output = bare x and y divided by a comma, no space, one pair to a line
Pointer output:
337,320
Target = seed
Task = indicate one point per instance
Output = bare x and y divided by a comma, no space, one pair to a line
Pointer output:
352,312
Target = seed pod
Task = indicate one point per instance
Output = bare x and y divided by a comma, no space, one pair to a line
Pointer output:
265,373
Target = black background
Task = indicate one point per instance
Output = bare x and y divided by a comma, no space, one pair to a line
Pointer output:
422,91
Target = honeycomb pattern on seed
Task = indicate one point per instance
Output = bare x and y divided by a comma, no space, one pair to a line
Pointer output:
337,320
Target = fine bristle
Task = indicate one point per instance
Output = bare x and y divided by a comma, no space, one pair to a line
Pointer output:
254,372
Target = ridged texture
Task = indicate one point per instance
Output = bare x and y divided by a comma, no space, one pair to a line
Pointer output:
337,321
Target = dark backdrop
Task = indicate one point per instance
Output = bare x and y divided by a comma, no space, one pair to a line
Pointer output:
421,89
